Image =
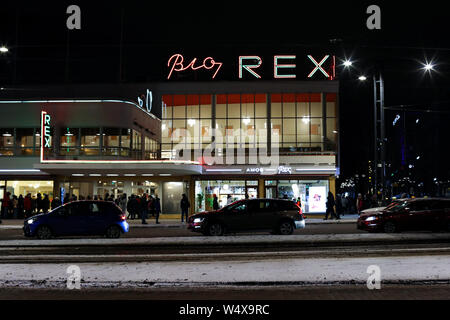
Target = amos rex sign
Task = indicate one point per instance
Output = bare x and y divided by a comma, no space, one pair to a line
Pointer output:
250,66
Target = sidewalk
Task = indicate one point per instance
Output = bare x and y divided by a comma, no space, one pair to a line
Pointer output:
176,223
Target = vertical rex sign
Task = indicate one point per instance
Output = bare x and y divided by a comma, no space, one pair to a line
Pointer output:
45,133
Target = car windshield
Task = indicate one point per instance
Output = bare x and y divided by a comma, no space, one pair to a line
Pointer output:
234,205
397,206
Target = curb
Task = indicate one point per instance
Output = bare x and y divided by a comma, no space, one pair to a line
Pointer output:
258,240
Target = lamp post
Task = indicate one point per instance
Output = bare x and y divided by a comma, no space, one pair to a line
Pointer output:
378,132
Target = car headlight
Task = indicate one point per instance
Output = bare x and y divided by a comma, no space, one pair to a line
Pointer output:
198,220
30,221
371,218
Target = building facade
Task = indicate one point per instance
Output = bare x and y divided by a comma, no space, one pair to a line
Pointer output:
274,139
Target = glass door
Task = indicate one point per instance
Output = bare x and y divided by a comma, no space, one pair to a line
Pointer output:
271,192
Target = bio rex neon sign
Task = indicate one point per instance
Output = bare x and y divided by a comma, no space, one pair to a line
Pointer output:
284,66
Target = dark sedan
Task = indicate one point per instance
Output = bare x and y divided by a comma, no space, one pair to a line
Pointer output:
276,215
407,215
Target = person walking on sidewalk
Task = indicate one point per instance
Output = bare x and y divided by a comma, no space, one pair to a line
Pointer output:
157,208
15,203
55,203
143,207
215,202
6,204
123,203
45,203
27,205
184,204
330,206
359,203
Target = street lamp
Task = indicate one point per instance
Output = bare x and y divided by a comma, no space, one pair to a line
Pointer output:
3,49
362,78
347,63
428,67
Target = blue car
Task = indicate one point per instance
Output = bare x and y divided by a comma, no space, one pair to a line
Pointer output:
78,218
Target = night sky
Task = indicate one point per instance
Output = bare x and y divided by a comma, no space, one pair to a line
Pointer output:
43,51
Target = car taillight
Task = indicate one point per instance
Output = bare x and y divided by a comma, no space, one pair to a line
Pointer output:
123,217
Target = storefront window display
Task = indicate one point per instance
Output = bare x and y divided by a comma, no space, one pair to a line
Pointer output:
18,188
312,193
236,189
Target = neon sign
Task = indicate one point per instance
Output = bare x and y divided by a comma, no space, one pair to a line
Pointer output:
277,66
45,132
148,101
318,66
178,64
249,65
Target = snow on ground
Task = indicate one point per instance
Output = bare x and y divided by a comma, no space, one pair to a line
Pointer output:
319,271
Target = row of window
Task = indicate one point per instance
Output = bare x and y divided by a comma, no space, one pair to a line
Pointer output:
79,141
248,106
300,121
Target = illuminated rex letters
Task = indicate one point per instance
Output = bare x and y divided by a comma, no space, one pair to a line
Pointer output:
249,67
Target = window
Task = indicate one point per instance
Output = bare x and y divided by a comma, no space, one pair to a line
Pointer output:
420,205
286,205
68,141
94,209
25,141
6,142
239,207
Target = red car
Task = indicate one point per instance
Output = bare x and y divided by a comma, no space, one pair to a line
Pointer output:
408,214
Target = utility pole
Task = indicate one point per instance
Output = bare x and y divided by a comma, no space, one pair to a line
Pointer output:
379,135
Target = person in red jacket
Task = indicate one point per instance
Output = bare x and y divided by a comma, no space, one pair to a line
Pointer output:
359,203
27,205
6,205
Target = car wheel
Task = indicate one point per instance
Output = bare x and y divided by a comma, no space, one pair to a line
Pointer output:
44,232
390,227
215,229
113,232
286,228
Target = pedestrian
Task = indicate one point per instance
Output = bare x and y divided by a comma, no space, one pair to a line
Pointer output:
344,204
246,195
229,199
123,203
157,208
338,206
215,202
130,207
359,203
20,207
66,198
184,204
45,203
55,203
151,206
299,202
143,207
38,203
27,205
6,204
330,206
15,203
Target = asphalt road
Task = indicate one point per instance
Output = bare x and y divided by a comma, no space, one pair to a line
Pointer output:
260,293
